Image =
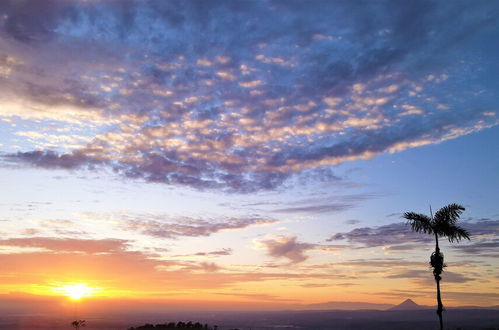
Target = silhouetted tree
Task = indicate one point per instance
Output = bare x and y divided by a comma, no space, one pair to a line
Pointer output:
173,325
78,323
443,224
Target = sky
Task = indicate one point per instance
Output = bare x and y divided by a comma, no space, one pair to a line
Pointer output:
247,153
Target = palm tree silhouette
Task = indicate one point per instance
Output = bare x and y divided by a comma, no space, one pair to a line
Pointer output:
443,224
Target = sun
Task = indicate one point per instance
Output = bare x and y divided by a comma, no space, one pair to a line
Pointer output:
76,291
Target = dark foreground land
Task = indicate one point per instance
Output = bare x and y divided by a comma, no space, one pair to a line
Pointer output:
464,319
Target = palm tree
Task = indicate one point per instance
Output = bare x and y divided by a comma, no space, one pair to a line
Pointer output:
443,224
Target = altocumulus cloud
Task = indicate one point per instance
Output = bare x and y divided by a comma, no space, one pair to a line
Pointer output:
179,92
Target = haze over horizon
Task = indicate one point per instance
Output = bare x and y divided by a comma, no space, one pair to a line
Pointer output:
217,154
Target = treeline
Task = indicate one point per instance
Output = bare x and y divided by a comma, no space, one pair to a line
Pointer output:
173,325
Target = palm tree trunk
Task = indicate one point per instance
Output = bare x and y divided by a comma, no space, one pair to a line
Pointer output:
436,272
440,306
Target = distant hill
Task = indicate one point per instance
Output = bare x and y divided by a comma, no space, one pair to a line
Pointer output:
345,305
496,307
408,305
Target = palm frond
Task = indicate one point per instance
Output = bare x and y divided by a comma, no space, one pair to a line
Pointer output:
456,233
419,222
448,214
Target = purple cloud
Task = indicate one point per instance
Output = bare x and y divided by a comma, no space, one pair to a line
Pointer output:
400,237
393,234
216,253
422,277
51,160
324,205
286,247
175,228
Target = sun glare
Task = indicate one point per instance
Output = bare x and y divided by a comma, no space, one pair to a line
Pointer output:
76,291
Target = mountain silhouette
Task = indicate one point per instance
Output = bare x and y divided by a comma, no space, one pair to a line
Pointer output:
407,305
345,305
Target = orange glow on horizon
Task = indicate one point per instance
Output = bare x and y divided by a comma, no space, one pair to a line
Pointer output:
75,291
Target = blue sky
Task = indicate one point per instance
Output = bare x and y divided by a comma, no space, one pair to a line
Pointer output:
240,141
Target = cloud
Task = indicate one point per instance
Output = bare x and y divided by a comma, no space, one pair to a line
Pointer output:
482,247
483,227
316,285
285,247
51,160
392,234
424,277
190,227
65,245
326,208
116,268
484,238
166,92
400,237
216,253
324,205
222,252
382,263
209,266
404,247
109,263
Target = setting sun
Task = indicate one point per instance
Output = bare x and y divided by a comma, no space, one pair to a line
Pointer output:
76,291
